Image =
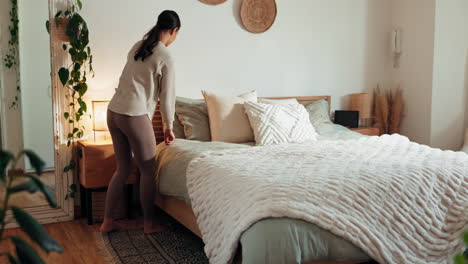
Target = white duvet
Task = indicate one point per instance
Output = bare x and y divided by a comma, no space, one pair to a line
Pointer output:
399,201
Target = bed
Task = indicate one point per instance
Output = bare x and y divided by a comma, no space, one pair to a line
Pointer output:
330,200
173,199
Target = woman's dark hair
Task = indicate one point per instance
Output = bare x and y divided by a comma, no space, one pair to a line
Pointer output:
167,20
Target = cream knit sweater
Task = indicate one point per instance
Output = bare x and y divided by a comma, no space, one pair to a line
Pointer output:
142,83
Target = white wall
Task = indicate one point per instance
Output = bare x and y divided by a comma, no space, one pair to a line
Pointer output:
449,92
415,18
35,79
315,47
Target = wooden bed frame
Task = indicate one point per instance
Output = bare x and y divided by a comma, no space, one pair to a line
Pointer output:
183,213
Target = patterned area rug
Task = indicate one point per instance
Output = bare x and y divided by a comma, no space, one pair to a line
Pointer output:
175,244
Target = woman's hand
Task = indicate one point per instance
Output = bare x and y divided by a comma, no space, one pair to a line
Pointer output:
169,137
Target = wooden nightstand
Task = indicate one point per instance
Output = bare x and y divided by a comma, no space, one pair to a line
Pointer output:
368,131
96,166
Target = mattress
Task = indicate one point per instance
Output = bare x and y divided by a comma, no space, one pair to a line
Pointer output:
299,241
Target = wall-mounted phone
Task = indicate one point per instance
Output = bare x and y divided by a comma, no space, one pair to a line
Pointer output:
396,47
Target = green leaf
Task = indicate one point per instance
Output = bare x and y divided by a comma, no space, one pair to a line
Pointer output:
75,130
465,238
81,88
76,67
70,121
25,252
80,5
47,24
5,158
64,74
459,259
59,13
13,260
83,106
35,185
66,169
73,187
36,162
66,115
64,46
68,143
72,165
70,135
29,186
72,51
35,231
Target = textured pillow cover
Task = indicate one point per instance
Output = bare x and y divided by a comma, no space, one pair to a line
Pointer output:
195,122
280,123
228,121
318,112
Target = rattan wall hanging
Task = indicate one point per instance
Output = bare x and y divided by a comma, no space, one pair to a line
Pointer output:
258,15
212,2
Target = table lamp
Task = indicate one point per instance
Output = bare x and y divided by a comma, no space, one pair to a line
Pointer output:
100,118
362,102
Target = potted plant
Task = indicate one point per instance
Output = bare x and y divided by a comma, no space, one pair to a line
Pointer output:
463,258
8,176
73,31
69,24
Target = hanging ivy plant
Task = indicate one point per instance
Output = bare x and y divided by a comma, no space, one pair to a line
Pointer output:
74,77
11,58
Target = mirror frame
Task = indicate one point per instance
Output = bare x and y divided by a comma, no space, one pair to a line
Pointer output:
65,208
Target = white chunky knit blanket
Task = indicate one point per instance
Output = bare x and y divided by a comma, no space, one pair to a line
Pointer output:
399,201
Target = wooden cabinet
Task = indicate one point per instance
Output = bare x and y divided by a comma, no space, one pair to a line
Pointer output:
368,131
96,165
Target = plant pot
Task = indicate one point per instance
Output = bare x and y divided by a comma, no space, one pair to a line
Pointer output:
61,29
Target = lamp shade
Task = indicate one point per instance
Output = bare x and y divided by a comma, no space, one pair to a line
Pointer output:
361,102
100,115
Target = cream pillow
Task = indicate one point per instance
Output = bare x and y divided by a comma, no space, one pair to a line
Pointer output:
278,101
228,121
280,123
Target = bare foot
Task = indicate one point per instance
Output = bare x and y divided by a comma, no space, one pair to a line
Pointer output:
108,226
150,227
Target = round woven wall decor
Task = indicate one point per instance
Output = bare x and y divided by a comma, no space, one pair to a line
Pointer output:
212,2
258,15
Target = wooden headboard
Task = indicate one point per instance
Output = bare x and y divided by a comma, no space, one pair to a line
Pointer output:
158,124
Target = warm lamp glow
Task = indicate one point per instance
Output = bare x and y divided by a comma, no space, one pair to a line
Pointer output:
361,102
100,115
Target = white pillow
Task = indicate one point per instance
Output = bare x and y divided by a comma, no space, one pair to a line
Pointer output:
278,101
228,121
280,123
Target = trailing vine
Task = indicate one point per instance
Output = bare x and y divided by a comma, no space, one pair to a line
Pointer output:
11,58
74,76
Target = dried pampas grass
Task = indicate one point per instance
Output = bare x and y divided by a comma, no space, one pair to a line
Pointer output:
396,111
388,110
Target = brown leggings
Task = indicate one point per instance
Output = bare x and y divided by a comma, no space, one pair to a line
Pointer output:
132,134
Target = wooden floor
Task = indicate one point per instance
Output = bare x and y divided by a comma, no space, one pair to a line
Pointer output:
79,244
75,237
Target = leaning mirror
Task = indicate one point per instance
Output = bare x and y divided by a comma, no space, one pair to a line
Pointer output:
27,98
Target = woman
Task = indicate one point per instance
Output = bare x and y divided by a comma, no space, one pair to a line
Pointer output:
147,77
